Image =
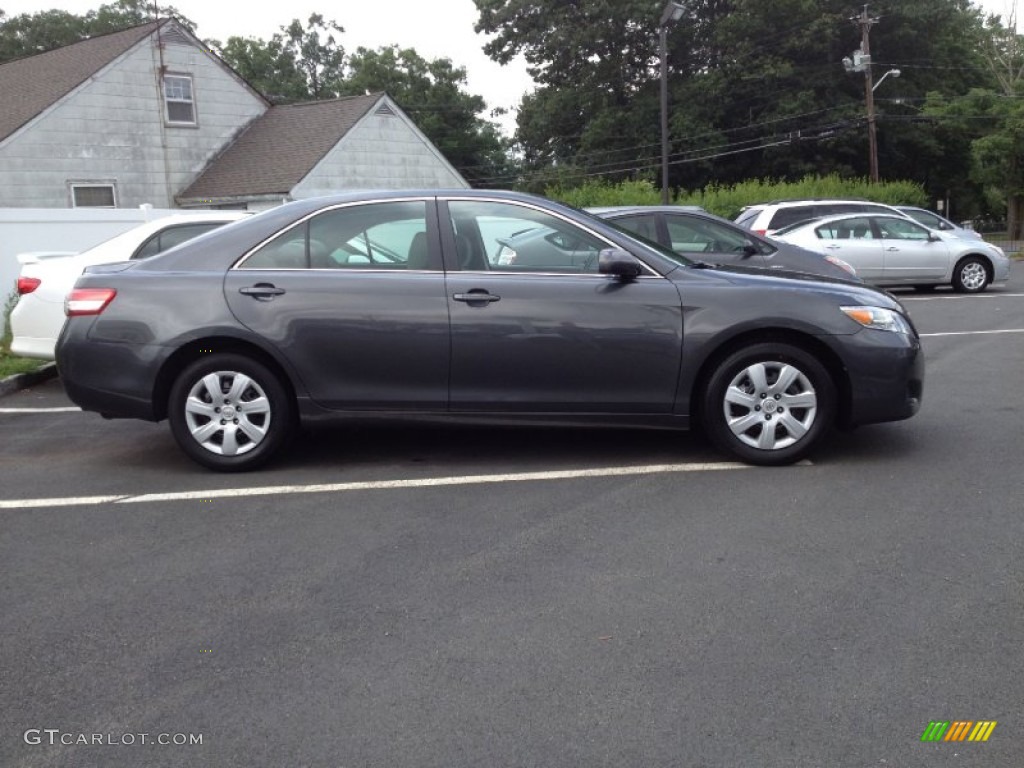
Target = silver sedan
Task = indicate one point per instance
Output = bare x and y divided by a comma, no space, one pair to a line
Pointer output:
891,250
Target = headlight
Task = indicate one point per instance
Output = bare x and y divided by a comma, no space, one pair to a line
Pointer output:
878,318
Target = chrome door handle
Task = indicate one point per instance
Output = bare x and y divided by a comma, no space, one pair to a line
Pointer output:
262,291
472,297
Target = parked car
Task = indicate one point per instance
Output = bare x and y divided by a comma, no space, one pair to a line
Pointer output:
238,335
769,218
46,279
694,232
932,220
895,250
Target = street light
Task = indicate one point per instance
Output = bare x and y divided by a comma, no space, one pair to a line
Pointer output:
672,12
893,72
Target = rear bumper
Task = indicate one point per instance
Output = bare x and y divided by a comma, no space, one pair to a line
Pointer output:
116,380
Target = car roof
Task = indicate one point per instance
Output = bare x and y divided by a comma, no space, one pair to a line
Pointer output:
842,216
602,209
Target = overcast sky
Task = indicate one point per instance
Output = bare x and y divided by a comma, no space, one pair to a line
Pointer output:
435,28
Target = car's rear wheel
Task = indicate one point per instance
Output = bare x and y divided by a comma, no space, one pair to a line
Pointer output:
229,412
768,403
970,275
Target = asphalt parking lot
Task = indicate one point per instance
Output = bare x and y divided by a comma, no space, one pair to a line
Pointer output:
522,597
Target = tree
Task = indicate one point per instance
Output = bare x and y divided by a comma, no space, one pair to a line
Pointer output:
756,87
319,56
30,33
269,67
431,91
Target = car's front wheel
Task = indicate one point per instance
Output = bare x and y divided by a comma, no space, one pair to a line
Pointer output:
970,275
768,403
229,412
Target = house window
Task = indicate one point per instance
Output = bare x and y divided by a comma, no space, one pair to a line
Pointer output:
181,107
93,196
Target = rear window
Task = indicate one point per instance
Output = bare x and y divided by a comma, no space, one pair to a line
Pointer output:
746,219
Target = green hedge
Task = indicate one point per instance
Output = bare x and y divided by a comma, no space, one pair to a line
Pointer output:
728,201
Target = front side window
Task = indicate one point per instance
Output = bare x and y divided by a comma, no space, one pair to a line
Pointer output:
857,228
694,235
512,238
389,235
902,229
643,224
179,100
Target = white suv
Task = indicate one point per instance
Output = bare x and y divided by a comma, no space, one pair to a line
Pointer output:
767,218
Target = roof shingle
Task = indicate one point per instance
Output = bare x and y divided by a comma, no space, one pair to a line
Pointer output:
31,84
279,148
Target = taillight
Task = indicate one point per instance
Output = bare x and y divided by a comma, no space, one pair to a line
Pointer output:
763,232
88,301
28,284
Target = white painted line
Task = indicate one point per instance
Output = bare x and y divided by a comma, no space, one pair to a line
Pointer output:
973,333
370,485
971,296
68,409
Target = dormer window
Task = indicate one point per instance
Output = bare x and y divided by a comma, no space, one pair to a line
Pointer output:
181,107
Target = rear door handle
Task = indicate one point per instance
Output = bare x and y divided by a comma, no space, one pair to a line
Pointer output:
475,296
263,291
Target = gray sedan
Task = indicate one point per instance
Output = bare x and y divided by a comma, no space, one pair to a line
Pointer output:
892,250
394,304
695,233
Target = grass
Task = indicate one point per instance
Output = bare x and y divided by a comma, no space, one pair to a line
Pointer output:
9,364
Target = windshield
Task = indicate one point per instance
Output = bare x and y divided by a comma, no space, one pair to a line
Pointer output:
661,250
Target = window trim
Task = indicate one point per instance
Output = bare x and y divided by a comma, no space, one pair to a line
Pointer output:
430,216
167,100
445,213
75,185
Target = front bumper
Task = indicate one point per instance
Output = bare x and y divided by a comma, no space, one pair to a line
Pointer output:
886,376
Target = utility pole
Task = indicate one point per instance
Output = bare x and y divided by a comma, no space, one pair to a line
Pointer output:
865,22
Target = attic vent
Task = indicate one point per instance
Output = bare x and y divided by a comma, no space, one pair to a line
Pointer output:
385,110
173,35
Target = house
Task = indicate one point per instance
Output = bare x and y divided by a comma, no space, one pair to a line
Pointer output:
149,115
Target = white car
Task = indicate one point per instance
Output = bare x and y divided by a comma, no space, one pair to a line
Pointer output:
46,279
894,250
768,218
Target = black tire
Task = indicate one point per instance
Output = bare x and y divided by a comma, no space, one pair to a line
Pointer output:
245,439
971,275
799,415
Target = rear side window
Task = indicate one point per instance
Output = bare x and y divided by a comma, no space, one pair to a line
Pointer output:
173,236
786,216
386,235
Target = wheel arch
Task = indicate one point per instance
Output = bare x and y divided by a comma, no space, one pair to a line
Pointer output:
198,348
985,259
809,343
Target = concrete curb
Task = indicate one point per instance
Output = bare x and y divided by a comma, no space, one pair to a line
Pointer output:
30,379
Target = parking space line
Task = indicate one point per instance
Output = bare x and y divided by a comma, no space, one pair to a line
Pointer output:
66,409
371,485
972,333
972,296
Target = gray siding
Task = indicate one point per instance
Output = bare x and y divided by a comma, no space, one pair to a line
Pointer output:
112,129
380,152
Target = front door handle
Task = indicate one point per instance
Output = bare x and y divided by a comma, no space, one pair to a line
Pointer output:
262,291
476,296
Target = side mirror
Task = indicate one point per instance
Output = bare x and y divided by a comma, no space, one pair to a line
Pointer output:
749,249
614,261
933,238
